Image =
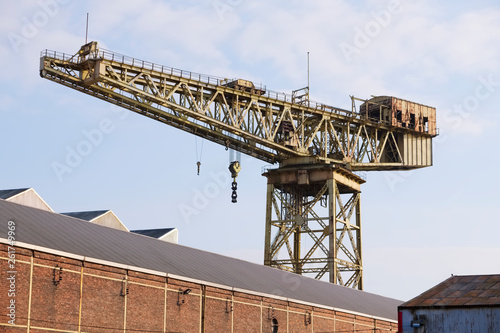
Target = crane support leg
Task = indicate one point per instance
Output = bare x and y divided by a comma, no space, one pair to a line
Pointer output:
313,223
332,240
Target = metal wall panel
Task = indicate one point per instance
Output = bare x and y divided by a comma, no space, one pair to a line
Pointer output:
416,150
456,320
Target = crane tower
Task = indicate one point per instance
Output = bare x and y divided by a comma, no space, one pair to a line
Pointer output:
313,217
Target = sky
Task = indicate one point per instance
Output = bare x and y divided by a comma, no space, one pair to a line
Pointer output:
419,227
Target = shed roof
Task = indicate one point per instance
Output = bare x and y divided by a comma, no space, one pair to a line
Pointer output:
87,215
460,290
155,233
25,196
5,194
75,236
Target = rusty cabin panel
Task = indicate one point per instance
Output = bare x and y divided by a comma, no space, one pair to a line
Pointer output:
400,113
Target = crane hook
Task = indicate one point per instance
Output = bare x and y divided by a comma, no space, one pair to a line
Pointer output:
234,168
198,164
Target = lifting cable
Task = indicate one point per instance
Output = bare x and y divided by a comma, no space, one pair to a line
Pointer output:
198,157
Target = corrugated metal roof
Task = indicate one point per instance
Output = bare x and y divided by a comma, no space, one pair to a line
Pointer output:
5,194
460,290
87,216
155,233
63,233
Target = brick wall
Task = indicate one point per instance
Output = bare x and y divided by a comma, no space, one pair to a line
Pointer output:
58,293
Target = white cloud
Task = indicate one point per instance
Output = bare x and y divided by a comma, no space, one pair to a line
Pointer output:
467,42
459,44
474,126
166,31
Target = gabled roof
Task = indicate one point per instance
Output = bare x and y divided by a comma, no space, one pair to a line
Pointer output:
155,233
26,197
103,217
62,233
460,290
87,216
6,194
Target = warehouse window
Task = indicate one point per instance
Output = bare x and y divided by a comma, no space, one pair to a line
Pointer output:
274,326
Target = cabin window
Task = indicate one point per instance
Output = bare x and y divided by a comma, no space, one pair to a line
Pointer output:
399,116
412,121
426,124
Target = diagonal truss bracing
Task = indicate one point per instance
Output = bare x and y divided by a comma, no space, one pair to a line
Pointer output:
313,223
263,124
314,228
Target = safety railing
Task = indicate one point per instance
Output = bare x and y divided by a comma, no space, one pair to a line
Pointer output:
202,78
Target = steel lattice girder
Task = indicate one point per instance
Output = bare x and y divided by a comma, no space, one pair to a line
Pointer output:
249,122
314,214
274,127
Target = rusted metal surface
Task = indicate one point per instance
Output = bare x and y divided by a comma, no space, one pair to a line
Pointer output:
318,174
401,113
458,304
245,85
465,290
456,320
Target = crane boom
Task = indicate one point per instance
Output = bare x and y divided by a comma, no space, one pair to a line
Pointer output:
314,192
271,126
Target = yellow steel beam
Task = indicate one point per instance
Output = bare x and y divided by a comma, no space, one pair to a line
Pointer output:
258,122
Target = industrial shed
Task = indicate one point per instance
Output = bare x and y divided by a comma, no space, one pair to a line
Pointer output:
75,276
165,234
458,304
25,196
102,217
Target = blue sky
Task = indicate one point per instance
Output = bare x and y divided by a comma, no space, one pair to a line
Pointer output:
418,227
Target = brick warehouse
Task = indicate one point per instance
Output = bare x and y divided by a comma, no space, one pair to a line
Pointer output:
75,276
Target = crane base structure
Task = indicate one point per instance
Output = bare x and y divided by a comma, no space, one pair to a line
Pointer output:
313,220
313,211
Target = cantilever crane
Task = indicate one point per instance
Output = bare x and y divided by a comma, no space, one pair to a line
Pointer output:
315,191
